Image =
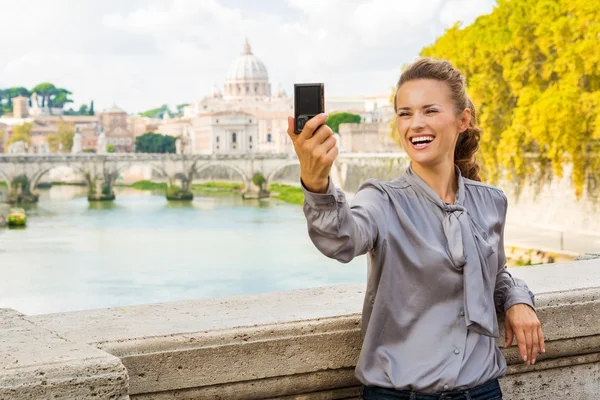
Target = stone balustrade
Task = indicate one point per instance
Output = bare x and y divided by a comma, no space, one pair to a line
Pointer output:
286,345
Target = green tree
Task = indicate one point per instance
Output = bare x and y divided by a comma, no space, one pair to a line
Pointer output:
151,142
59,98
66,132
53,143
63,138
157,112
110,148
91,112
20,133
336,119
6,96
259,180
180,108
45,90
17,91
533,73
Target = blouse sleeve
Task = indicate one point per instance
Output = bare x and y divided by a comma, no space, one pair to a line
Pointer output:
342,231
509,290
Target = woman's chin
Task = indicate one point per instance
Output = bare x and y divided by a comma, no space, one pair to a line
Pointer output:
422,158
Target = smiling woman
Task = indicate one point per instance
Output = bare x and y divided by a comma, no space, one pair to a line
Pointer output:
432,105
435,242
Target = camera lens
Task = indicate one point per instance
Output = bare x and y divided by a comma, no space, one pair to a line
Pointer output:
301,122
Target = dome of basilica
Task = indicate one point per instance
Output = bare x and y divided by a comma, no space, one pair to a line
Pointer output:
247,66
247,76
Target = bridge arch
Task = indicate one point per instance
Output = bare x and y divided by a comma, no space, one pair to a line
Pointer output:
123,167
37,176
238,170
279,168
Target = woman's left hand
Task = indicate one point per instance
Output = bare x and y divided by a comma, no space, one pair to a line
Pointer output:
522,321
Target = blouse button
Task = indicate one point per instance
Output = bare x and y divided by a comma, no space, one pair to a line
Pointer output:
462,313
456,351
446,387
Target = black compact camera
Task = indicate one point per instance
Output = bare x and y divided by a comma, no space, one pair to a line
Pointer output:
309,100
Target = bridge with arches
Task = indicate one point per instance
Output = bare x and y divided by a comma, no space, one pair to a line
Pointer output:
104,169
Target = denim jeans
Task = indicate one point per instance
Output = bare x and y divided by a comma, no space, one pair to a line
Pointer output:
487,391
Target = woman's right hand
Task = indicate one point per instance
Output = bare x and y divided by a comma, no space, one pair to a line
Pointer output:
316,149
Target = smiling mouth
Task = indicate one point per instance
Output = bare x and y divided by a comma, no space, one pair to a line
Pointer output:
421,142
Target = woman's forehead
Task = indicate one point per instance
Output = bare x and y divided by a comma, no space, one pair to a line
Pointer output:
420,92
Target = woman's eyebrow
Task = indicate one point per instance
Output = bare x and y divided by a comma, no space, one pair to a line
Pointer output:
425,106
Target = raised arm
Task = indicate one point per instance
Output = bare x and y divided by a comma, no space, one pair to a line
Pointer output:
342,231
337,229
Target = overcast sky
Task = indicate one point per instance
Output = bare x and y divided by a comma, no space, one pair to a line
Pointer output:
140,54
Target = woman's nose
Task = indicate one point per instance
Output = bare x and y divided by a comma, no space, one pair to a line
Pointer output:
417,122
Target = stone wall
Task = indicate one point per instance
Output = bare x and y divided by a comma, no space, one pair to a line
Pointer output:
554,207
286,345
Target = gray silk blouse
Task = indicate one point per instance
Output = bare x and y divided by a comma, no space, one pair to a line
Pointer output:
436,278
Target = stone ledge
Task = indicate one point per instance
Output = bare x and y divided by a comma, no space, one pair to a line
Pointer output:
37,364
303,344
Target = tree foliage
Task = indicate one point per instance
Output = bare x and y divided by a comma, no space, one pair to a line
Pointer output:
157,112
48,96
259,179
533,71
336,119
180,108
6,96
20,133
83,110
63,139
151,142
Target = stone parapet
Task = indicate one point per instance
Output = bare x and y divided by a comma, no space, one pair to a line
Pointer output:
39,364
304,344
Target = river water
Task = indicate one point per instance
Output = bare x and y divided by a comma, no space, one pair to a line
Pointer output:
141,249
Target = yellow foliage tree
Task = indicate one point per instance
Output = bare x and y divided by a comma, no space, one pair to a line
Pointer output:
63,137
20,133
533,71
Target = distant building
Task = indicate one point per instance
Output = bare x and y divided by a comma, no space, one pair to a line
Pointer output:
45,126
118,129
20,107
367,137
246,117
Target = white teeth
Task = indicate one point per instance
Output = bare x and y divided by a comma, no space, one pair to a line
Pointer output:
420,139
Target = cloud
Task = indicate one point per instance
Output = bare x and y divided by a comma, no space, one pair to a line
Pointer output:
144,53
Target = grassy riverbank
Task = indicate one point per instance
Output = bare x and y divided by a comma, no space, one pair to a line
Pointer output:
148,185
289,194
57,183
212,187
219,187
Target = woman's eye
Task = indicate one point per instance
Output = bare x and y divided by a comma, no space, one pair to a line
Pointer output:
402,114
431,111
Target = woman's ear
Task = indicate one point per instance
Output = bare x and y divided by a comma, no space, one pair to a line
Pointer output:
465,120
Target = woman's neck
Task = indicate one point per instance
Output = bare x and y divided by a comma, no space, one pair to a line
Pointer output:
441,178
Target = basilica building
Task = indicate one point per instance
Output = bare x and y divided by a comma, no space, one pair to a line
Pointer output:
246,116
